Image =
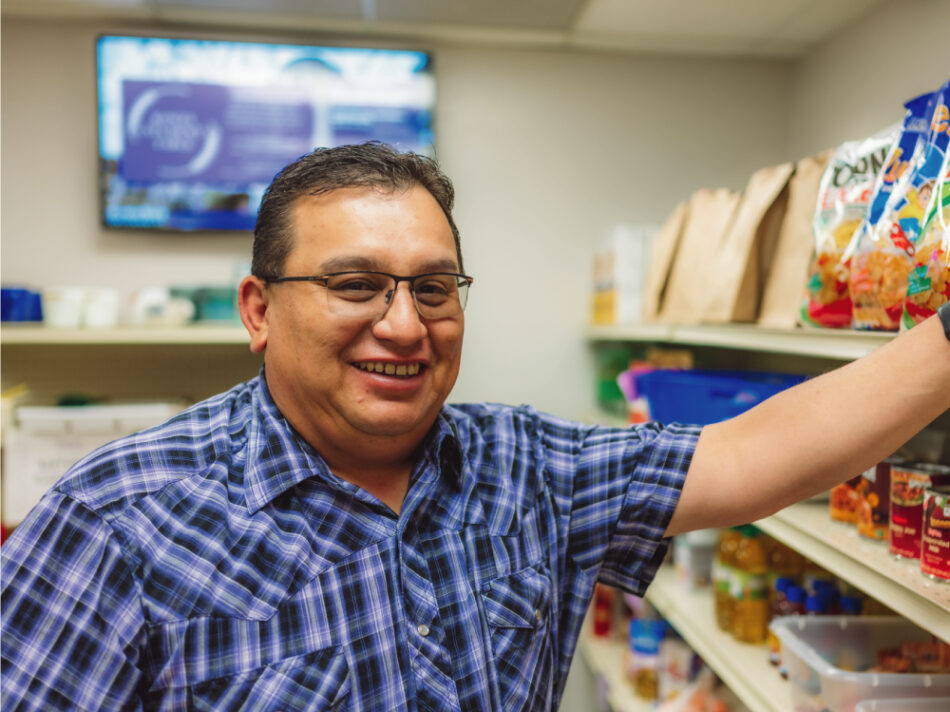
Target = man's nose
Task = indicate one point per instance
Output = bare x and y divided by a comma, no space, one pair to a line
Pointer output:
401,321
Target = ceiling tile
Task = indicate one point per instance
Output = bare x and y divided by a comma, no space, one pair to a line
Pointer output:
331,9
689,18
516,14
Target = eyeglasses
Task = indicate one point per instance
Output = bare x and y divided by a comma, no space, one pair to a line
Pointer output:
367,294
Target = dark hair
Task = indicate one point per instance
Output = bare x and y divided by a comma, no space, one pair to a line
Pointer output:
372,164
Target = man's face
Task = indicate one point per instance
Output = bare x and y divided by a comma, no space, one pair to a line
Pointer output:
318,364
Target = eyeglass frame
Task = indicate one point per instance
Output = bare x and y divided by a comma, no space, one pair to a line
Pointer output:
324,278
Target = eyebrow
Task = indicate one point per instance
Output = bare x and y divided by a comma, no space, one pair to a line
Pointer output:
355,262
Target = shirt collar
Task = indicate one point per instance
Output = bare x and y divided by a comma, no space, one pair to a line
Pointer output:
278,458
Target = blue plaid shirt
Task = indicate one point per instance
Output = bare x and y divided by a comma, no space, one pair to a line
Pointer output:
215,563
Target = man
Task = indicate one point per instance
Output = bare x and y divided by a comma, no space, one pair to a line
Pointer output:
331,536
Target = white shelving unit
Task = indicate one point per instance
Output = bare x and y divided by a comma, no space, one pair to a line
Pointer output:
604,656
806,527
840,344
126,363
36,335
744,667
864,563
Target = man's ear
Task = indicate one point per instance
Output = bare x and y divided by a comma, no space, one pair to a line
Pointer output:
252,303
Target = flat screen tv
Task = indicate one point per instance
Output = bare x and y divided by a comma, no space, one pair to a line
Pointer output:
191,132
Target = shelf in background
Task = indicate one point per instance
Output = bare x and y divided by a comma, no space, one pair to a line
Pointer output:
827,343
208,333
864,563
604,657
743,667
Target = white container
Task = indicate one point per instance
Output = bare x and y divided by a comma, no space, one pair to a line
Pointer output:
47,441
101,308
116,420
825,654
62,307
905,704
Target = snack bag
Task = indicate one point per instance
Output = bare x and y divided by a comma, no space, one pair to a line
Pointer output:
843,197
883,252
929,283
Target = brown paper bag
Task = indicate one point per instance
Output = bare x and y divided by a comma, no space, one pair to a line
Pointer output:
788,272
662,254
710,213
738,272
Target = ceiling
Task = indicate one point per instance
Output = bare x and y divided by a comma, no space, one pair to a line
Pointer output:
763,28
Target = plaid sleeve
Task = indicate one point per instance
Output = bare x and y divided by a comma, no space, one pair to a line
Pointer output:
625,486
71,615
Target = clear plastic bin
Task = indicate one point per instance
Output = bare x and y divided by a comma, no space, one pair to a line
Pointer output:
825,654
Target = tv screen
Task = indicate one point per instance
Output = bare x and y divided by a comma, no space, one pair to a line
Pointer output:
191,132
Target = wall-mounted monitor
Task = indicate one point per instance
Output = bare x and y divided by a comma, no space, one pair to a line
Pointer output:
191,132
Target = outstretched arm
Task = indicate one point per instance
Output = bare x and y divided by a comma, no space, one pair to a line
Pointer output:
818,434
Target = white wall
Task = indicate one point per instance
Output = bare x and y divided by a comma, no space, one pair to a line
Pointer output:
548,150
856,84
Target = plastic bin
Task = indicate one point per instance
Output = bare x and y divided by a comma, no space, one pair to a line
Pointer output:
702,397
905,704
825,654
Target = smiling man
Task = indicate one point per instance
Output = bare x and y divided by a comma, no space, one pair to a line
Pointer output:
359,362
332,536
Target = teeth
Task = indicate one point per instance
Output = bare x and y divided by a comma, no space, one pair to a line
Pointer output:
390,369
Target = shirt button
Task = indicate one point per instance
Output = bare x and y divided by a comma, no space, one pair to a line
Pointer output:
423,629
537,614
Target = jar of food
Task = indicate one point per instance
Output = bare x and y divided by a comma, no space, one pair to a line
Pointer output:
935,536
843,504
750,593
874,500
722,574
909,483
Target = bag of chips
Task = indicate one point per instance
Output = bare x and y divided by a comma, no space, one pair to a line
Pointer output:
880,255
843,198
929,284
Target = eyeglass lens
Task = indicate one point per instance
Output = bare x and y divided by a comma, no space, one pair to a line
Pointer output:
368,294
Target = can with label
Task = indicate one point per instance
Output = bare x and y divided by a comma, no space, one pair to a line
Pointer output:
909,483
935,537
874,500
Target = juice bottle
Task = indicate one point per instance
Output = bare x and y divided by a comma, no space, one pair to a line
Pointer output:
779,606
829,594
795,602
783,562
850,605
750,590
722,573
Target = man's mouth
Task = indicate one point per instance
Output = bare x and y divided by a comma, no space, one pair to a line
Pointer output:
401,370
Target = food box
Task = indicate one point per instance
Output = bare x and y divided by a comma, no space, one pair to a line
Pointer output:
702,397
46,440
825,657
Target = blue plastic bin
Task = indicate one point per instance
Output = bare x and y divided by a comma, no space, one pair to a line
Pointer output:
703,397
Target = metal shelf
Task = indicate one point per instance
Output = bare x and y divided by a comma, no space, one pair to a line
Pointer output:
743,667
842,344
197,334
864,563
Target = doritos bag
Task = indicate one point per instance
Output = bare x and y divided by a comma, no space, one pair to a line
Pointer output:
880,257
843,198
929,284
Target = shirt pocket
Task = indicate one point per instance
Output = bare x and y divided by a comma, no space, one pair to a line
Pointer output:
315,682
518,610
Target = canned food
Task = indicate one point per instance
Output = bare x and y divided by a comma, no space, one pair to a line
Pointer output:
874,500
935,537
909,483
